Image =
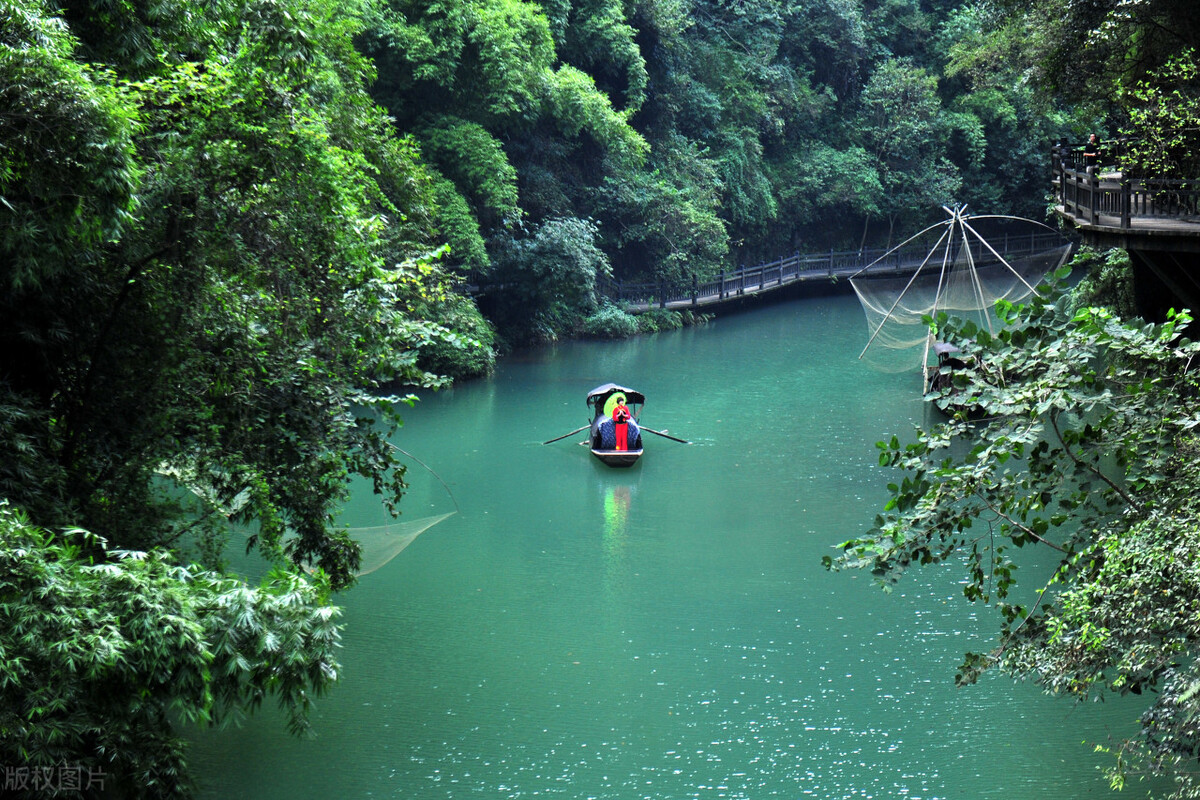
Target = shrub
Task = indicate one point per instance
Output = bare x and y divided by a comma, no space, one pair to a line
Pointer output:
610,322
659,319
1108,283
545,283
471,352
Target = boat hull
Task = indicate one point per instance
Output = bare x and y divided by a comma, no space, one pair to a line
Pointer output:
618,458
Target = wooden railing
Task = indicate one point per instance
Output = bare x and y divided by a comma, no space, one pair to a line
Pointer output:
1093,196
1087,197
798,267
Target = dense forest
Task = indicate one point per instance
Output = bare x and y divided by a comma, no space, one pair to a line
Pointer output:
233,233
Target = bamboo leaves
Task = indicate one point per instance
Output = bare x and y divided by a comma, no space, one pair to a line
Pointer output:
97,645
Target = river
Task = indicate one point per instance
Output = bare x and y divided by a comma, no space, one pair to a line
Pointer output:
666,631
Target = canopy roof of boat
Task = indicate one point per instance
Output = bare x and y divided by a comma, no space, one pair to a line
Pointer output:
599,395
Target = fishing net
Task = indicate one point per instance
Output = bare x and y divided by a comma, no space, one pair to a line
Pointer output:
961,266
381,543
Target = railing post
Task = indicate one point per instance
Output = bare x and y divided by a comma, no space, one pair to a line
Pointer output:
662,294
1094,186
1126,204
721,287
695,291
1062,180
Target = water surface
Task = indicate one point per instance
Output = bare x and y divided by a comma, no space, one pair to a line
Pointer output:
666,631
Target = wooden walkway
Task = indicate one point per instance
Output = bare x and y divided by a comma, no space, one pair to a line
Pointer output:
1155,220
798,268
1129,213
1105,208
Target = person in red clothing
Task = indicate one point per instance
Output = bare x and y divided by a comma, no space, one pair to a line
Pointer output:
621,417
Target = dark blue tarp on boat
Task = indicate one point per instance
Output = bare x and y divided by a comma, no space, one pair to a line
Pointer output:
608,435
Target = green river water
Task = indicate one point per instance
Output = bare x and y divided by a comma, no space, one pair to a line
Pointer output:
665,631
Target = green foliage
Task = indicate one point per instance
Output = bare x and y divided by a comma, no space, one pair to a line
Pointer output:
576,105
1108,282
232,326
63,127
905,129
475,162
482,55
707,134
661,319
547,281
1092,50
668,218
1163,113
822,179
100,648
459,226
748,192
999,125
465,347
610,322
598,39
1087,451
217,253
479,81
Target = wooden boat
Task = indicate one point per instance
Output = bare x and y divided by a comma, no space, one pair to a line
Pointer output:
945,394
949,361
615,438
601,434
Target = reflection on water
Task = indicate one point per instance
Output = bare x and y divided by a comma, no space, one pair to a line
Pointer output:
664,631
617,499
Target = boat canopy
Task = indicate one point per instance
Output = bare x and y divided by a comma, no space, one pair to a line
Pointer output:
598,397
945,349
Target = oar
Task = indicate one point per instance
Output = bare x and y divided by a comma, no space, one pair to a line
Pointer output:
565,435
665,435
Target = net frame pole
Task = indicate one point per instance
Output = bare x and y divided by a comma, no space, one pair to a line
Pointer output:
900,297
1001,258
948,237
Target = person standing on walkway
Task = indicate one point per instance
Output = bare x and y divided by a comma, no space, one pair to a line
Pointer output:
1091,153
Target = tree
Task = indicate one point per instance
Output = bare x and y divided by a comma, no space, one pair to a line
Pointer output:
1163,111
1087,51
222,300
905,130
220,257
548,280
1086,451
101,648
473,79
999,126
63,127
822,179
666,222
596,38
